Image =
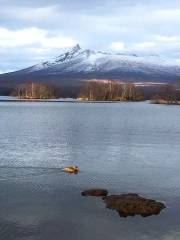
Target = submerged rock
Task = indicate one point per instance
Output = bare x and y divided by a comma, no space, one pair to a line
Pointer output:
96,192
133,204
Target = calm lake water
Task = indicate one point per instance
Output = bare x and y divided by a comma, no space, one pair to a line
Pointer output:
124,147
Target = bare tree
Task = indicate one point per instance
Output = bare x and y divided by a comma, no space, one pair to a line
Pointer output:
110,90
168,94
35,91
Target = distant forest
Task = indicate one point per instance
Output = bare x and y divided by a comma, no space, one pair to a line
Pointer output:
109,90
35,91
168,94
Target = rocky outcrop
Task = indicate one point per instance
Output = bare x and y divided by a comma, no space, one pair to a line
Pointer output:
133,204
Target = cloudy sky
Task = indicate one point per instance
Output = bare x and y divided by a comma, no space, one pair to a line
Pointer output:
35,30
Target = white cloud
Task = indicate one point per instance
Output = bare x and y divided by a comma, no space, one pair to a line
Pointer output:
157,44
167,39
33,36
144,46
29,13
168,14
134,47
58,42
26,47
118,46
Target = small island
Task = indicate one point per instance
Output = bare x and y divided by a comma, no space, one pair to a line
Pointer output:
168,94
33,91
110,90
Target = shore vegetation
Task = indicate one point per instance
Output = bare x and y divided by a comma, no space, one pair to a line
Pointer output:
35,91
168,94
110,91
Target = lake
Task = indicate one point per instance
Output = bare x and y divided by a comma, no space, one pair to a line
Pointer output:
124,147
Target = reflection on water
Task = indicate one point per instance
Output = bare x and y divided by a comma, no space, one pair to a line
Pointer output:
7,173
124,147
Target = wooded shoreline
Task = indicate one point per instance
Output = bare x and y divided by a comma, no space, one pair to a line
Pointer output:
109,91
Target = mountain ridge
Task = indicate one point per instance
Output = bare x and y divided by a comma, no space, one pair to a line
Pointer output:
70,69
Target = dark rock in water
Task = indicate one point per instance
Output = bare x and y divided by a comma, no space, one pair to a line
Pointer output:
133,204
95,192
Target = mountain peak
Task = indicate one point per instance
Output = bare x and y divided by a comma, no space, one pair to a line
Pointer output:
76,48
68,55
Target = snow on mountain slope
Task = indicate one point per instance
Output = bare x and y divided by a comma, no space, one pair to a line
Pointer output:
86,61
69,70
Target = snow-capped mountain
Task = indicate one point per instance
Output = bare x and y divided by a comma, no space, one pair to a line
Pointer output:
72,68
87,61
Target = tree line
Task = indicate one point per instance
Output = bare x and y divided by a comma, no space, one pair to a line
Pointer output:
110,91
35,91
168,94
